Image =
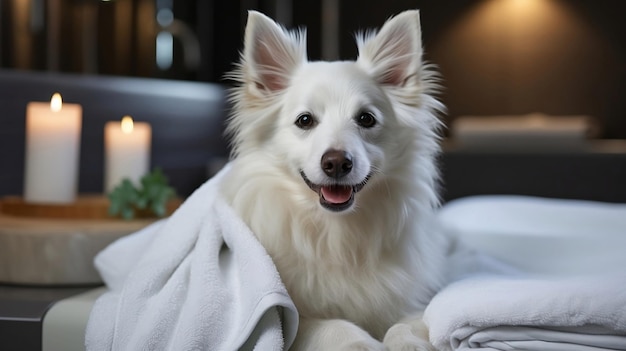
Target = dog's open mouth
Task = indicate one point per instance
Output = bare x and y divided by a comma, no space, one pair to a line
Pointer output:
335,197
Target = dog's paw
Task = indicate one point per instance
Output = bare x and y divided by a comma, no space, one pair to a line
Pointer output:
363,345
333,334
401,338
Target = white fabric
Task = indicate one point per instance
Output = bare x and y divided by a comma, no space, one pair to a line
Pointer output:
569,292
503,313
198,280
540,235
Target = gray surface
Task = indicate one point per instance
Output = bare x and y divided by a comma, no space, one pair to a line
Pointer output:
65,323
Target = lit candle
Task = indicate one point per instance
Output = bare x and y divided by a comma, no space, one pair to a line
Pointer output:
127,151
52,151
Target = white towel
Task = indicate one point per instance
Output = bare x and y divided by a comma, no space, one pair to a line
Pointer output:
198,280
569,289
541,235
501,313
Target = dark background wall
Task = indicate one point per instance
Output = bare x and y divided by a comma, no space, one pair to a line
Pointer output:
496,57
521,56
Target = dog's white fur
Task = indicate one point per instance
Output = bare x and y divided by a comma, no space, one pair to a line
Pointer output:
353,274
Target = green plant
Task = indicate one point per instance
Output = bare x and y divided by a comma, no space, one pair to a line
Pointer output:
151,196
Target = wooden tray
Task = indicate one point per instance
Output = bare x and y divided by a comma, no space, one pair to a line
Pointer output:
85,207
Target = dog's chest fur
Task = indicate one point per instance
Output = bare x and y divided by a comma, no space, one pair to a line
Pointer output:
349,266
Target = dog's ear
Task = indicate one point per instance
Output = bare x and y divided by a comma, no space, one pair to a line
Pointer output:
393,56
271,53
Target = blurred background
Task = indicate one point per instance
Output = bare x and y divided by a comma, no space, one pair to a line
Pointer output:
496,57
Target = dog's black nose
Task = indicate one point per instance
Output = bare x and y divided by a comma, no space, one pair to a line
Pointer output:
336,163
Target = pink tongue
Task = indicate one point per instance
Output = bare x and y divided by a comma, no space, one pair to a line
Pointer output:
337,194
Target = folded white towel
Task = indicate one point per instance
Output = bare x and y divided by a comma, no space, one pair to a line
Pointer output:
198,280
568,291
498,313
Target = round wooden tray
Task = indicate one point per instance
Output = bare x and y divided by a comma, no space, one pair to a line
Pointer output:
85,207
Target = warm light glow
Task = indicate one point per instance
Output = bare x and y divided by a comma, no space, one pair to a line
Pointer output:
526,6
520,3
127,125
56,103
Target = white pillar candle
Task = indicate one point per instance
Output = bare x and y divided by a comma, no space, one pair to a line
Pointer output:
52,151
127,151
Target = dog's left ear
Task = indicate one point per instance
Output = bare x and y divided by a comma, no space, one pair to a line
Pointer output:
271,53
393,56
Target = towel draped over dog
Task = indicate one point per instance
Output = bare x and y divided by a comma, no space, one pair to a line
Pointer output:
198,280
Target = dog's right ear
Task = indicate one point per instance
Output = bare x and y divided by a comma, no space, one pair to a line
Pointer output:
271,54
393,56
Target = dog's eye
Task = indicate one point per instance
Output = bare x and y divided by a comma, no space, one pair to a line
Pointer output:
366,120
305,121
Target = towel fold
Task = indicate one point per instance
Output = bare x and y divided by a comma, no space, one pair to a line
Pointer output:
566,289
198,280
503,313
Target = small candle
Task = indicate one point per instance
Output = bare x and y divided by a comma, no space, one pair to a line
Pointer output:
52,151
127,151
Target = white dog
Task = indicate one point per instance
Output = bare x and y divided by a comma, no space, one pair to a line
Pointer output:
334,171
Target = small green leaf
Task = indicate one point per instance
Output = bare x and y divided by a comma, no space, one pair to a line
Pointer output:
153,194
128,213
159,209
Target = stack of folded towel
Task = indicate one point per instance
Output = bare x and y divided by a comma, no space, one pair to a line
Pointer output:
503,313
569,289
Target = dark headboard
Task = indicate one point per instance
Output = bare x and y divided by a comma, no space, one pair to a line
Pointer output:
187,123
596,172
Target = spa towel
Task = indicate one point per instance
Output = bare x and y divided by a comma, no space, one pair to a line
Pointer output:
567,288
506,313
198,280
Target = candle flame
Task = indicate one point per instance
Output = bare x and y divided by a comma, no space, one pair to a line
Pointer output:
56,103
127,124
